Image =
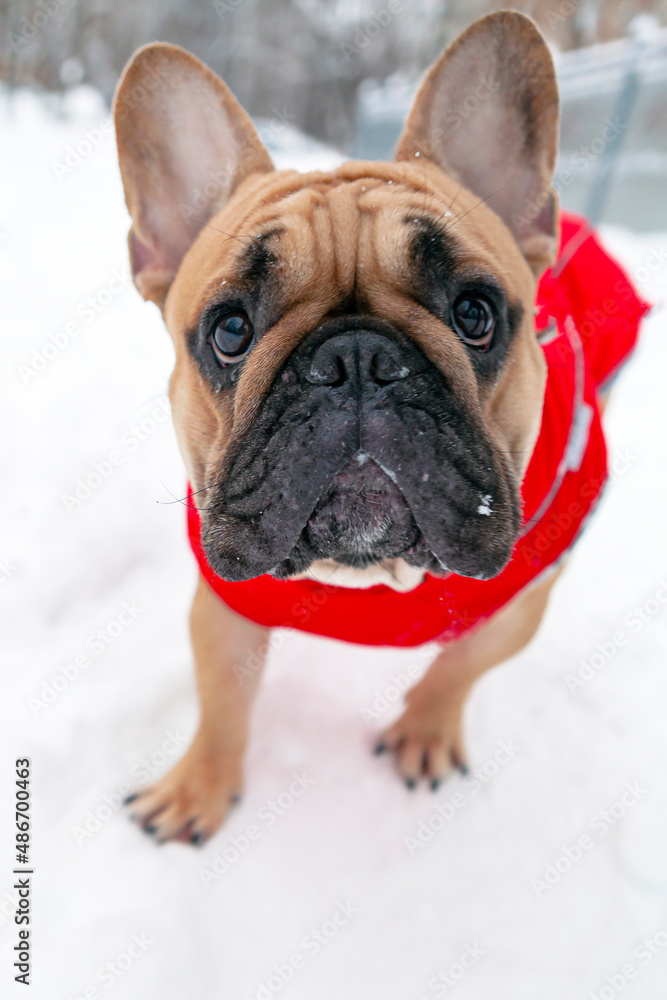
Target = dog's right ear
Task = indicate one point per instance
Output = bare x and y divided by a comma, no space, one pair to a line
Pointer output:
184,145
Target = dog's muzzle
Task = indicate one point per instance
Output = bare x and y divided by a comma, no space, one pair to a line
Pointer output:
361,452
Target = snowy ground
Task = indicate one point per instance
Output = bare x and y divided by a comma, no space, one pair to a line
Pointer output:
114,914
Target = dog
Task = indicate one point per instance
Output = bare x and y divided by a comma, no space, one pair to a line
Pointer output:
381,442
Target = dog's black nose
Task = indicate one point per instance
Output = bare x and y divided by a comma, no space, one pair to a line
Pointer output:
366,357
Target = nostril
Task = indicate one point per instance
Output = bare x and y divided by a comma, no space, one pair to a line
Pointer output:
384,369
357,357
332,373
341,373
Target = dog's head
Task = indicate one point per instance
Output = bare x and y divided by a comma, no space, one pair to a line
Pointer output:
357,381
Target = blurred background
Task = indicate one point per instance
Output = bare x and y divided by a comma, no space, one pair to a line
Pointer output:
344,72
84,377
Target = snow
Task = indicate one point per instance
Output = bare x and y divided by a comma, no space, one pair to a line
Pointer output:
322,855
485,505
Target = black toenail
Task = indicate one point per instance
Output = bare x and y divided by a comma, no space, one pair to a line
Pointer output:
380,748
130,798
410,783
150,829
197,838
464,770
235,798
435,784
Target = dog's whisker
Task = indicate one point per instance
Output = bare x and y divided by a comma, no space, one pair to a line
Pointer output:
188,496
448,210
480,202
229,236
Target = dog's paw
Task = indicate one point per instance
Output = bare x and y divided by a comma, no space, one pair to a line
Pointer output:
427,742
190,802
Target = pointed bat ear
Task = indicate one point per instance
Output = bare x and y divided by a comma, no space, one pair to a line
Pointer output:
184,145
487,114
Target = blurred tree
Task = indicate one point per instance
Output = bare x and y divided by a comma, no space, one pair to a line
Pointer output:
304,59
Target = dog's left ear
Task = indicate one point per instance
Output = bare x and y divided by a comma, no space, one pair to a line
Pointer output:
487,114
184,145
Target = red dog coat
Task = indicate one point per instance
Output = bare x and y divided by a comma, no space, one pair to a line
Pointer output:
588,318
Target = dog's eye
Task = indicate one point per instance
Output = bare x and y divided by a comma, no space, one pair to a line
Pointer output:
473,320
232,338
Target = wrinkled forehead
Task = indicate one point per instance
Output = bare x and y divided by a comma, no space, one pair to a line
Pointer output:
335,237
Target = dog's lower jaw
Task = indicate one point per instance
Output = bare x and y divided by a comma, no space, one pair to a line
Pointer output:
394,573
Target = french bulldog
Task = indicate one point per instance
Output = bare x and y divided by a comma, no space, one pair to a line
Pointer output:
358,382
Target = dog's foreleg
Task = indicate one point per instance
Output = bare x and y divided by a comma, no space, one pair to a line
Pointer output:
427,739
190,802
